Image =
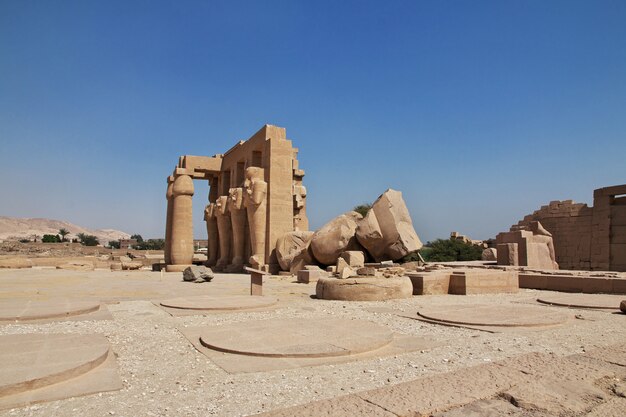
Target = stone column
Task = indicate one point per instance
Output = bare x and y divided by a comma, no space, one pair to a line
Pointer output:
224,232
212,233
168,223
238,222
255,200
181,249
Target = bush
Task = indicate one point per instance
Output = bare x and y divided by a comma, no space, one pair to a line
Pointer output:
137,237
51,239
88,240
114,244
150,244
24,240
448,250
362,209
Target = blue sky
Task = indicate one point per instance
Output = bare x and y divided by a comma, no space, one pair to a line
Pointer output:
478,111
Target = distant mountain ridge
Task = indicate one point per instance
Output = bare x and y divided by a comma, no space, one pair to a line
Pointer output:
28,228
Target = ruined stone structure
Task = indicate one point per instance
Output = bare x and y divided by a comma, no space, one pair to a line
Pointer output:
256,195
527,245
587,238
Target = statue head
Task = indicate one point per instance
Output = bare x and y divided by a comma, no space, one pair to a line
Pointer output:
221,204
235,198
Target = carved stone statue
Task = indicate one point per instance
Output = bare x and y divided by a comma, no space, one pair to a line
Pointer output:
255,201
224,232
238,222
541,235
212,233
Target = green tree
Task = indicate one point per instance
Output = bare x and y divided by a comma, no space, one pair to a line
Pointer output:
150,244
51,239
448,250
88,240
114,244
137,237
63,232
362,209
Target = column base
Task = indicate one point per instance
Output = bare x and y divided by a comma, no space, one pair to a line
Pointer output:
176,268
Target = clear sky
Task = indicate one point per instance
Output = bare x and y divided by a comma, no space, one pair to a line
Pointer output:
478,111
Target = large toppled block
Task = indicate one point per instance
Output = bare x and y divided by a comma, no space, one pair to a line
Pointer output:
387,230
335,237
290,245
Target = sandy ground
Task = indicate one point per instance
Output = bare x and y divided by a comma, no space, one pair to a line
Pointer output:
164,375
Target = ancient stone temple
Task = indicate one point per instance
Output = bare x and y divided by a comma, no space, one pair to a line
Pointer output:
588,238
256,195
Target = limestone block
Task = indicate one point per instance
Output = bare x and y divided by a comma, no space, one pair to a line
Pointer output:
290,245
131,266
116,266
490,254
387,230
302,259
341,265
310,275
481,281
367,271
507,254
426,283
16,263
346,272
622,306
354,258
197,274
335,237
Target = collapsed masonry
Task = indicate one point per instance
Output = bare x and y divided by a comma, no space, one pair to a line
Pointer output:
586,238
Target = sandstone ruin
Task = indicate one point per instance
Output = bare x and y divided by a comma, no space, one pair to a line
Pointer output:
587,238
256,196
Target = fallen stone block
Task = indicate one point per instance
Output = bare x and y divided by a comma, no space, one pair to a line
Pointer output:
197,274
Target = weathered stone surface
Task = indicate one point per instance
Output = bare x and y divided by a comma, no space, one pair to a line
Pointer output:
490,254
310,275
335,237
354,258
387,230
364,289
622,306
341,265
346,272
16,263
131,266
290,245
366,270
77,266
535,247
197,274
116,266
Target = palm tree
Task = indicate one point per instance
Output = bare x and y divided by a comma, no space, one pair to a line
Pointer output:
63,232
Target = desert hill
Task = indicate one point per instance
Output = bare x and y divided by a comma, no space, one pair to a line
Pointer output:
20,228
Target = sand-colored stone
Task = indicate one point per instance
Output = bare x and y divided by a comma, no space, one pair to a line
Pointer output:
290,245
430,283
489,254
181,248
225,233
387,230
255,200
573,283
593,301
535,247
494,315
28,310
335,237
354,258
238,218
77,266
279,182
16,263
622,306
311,275
36,367
223,303
364,288
167,249
213,242
295,338
480,281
